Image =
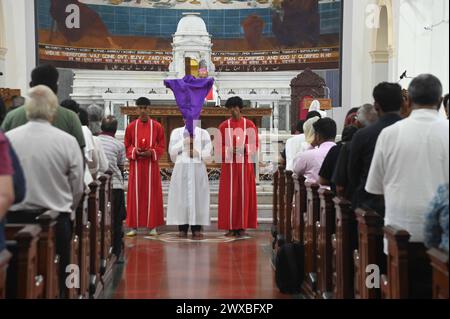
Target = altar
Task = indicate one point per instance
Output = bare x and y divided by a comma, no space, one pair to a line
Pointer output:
170,118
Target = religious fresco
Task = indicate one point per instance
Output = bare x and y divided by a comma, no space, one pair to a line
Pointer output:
247,35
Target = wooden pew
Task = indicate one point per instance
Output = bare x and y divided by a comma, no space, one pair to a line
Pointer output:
281,231
345,243
82,229
289,204
409,272
298,209
23,279
73,293
48,260
325,229
274,229
107,260
395,283
309,286
95,217
439,263
370,251
5,257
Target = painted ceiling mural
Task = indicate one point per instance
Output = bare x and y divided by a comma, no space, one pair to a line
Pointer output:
247,35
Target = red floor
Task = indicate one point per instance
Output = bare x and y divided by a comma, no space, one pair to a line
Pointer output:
236,270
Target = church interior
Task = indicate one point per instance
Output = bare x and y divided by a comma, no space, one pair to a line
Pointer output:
124,174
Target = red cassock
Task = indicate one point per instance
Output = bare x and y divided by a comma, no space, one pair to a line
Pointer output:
144,197
237,191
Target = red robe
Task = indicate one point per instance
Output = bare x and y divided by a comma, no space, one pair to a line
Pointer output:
144,197
237,190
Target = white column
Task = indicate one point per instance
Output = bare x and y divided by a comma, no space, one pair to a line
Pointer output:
19,25
276,115
3,49
109,112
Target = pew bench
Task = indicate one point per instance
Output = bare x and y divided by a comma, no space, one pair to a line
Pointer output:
48,260
326,227
5,257
23,280
107,257
409,273
82,230
95,219
439,263
311,217
369,252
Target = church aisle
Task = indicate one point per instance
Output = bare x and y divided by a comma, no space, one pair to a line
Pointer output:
198,270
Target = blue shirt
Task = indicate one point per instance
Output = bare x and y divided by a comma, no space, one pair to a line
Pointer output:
436,223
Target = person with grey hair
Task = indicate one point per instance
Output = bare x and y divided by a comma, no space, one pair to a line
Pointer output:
366,115
410,163
95,115
53,166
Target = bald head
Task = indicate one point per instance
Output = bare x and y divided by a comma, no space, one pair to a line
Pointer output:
367,115
425,91
109,125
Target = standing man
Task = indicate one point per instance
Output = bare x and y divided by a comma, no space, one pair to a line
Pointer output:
410,163
115,152
145,144
188,202
237,190
53,166
411,159
388,101
65,119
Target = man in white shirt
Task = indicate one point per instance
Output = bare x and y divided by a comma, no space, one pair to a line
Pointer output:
294,145
411,159
188,202
53,166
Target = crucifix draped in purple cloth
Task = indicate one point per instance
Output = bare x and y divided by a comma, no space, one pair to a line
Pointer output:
190,94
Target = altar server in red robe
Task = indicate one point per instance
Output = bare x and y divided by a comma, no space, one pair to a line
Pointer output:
145,144
237,192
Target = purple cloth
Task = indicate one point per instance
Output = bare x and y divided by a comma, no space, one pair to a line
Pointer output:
190,94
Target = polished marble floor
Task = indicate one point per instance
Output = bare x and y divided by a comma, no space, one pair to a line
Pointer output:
198,270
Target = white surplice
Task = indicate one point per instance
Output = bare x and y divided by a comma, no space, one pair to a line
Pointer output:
188,201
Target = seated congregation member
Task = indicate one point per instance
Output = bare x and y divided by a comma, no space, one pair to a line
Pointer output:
65,119
308,129
366,115
408,177
436,221
238,208
53,167
297,144
94,153
308,164
388,101
329,164
6,185
145,143
115,153
294,144
189,199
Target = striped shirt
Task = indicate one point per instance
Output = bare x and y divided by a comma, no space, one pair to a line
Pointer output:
115,153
